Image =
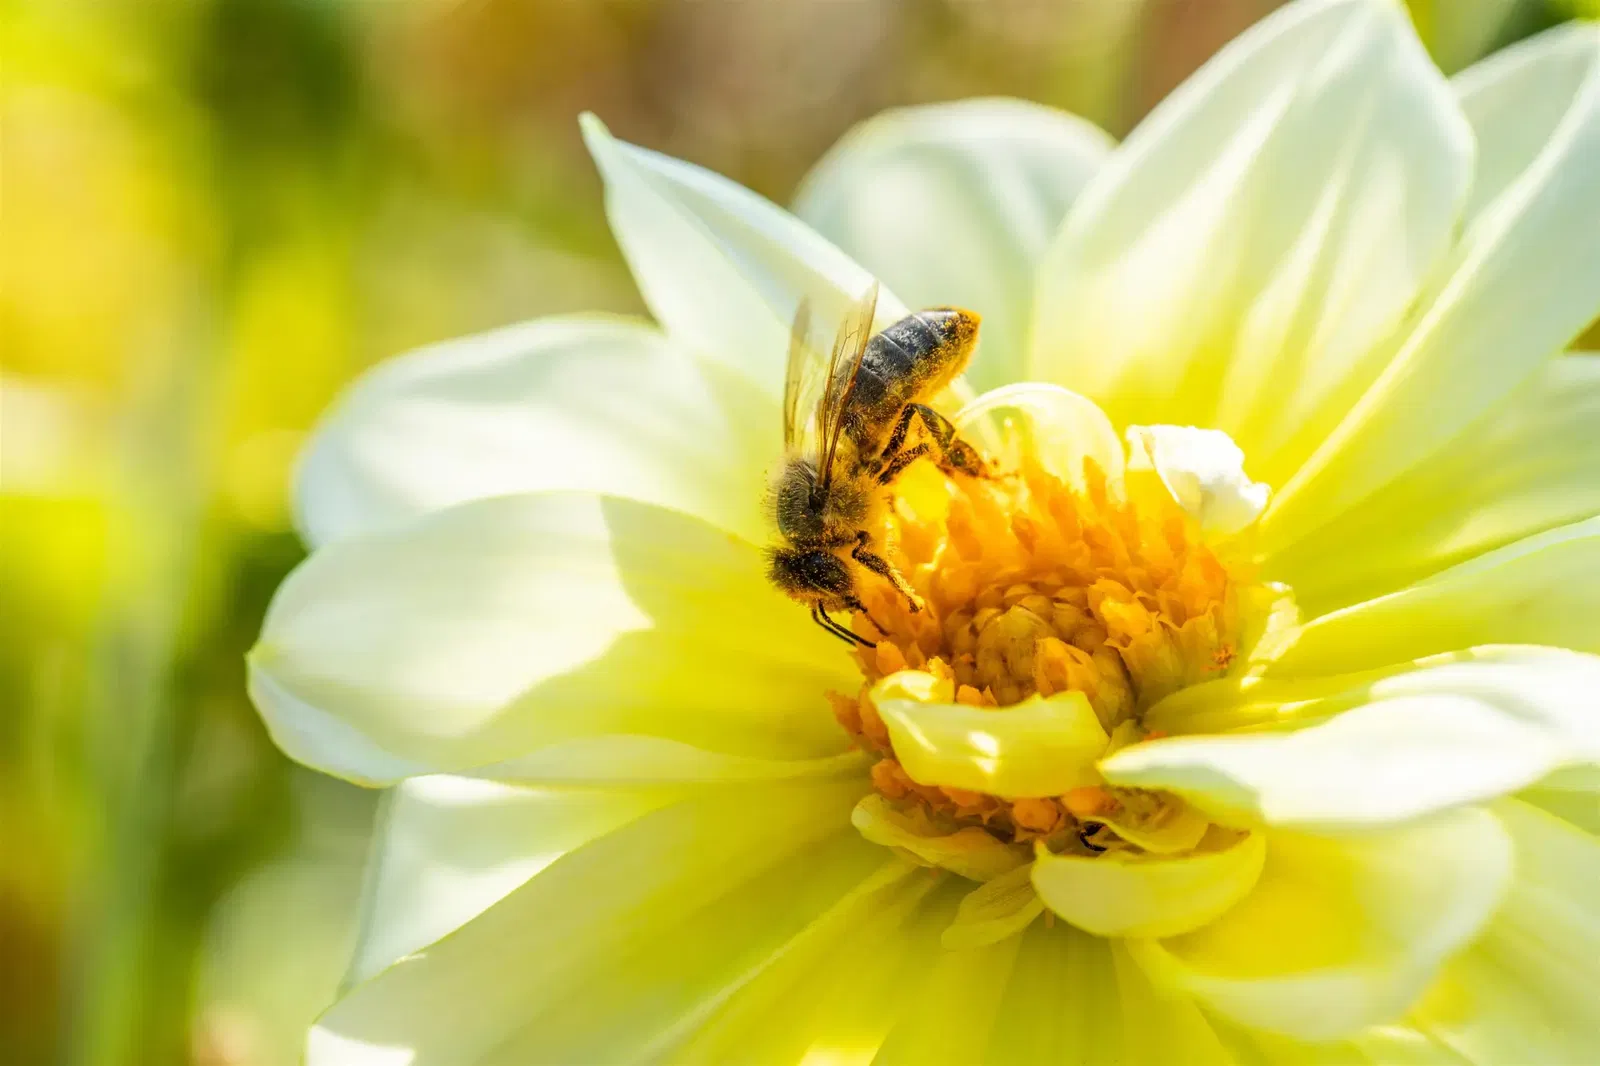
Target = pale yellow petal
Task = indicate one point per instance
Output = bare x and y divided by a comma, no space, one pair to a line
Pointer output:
1062,429
953,204
1237,261
1531,465
1519,286
995,911
1139,895
833,993
590,402
1525,992
1517,97
621,945
1342,933
446,848
499,627
1542,590
722,269
951,1016
1456,732
970,852
1040,747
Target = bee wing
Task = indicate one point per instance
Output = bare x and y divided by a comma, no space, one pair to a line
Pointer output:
801,356
844,365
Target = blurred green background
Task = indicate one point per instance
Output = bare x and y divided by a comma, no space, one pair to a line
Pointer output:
213,213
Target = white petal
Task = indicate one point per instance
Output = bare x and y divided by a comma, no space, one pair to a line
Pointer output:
579,402
446,848
1342,933
1238,258
1531,465
722,269
1059,427
1542,590
617,945
1414,743
1525,991
953,204
1203,469
1521,284
1517,97
496,628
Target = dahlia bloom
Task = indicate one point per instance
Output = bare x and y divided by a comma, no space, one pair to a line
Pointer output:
1254,711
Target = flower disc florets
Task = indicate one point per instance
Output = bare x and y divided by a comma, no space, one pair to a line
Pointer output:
1034,587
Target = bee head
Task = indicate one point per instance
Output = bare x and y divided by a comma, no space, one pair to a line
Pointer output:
811,575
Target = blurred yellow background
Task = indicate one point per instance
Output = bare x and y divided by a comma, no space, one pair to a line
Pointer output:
213,213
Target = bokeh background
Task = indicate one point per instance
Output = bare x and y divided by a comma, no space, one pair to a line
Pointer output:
214,213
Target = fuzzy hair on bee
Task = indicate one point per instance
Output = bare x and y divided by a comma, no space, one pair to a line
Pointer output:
871,421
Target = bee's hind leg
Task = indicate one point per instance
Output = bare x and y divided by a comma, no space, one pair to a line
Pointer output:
900,462
884,569
955,456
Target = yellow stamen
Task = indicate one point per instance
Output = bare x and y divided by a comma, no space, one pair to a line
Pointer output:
1034,587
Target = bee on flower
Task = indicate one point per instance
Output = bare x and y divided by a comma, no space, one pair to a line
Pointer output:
1228,689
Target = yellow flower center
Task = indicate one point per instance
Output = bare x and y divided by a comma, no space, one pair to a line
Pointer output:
1034,586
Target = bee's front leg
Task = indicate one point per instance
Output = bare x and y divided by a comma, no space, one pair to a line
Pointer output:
884,569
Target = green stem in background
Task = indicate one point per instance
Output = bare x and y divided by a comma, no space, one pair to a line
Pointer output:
135,729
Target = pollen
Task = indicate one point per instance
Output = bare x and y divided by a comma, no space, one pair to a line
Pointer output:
1032,585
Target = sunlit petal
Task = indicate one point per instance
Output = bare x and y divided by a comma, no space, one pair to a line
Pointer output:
490,630
580,402
1342,933
953,204
1238,259
1413,743
722,269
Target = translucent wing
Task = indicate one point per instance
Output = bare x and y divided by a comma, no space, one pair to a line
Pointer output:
800,357
849,347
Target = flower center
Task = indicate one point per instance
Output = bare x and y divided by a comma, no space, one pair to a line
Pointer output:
1034,587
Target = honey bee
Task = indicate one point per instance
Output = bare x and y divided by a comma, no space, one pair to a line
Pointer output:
831,491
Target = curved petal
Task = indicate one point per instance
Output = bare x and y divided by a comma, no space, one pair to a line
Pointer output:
953,204
1542,590
491,630
576,402
1531,465
956,1010
1517,97
1414,744
994,911
1137,895
722,269
1525,991
1520,285
619,944
1059,427
971,852
1342,933
1078,998
1203,469
1239,258
1039,747
837,989
447,848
